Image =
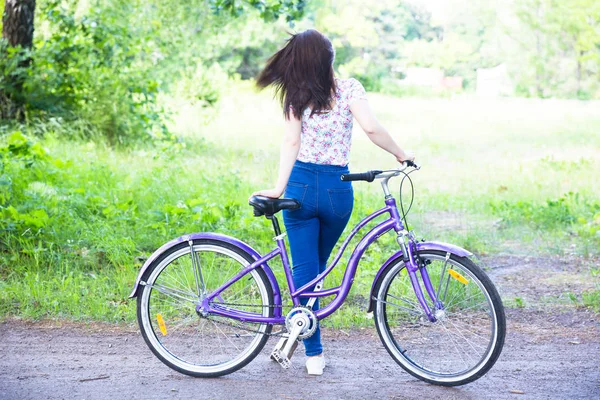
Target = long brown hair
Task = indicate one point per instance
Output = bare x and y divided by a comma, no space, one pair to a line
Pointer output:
302,73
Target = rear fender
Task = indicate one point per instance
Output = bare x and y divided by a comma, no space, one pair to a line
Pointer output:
421,246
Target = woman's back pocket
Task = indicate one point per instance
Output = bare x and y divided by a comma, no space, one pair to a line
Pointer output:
342,201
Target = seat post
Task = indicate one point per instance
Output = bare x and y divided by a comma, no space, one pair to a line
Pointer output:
273,219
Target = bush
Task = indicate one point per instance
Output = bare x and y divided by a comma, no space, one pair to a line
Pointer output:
90,69
369,75
14,70
572,211
571,208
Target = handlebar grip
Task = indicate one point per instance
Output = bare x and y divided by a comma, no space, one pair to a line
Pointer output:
413,164
368,176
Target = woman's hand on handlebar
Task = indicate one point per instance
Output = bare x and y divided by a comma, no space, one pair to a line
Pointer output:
405,156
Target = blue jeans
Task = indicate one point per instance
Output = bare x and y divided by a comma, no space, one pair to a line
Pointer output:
314,229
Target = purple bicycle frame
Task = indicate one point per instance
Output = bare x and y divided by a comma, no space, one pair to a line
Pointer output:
210,304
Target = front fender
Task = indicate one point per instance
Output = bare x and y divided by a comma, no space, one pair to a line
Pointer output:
421,246
213,236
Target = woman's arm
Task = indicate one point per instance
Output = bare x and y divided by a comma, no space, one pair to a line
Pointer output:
289,151
375,131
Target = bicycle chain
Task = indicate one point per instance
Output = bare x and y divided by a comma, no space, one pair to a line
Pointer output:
250,305
280,333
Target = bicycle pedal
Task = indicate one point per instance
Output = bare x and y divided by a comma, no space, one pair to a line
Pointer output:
281,344
278,356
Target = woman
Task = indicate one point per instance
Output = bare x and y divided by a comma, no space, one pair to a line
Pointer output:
319,111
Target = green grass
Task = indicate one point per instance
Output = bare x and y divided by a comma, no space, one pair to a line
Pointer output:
504,175
591,299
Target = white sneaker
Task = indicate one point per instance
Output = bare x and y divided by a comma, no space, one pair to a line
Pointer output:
315,365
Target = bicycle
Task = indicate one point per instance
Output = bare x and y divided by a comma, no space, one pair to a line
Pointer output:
207,302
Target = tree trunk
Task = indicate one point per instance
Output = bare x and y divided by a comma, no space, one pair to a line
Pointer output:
538,73
539,55
17,30
578,76
17,22
580,55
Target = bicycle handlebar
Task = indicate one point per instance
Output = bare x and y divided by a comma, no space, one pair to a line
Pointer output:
370,176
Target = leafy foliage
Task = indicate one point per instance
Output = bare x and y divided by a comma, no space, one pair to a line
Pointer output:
13,72
105,66
108,64
565,33
21,160
77,216
370,41
92,68
270,10
576,214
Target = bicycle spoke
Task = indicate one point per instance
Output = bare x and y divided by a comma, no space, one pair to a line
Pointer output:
219,339
227,337
400,307
457,321
437,295
196,338
176,327
456,345
471,344
464,300
171,292
415,305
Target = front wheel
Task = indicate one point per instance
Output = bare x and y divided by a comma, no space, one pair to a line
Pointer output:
191,343
467,337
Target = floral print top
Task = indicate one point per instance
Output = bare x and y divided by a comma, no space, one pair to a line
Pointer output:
326,137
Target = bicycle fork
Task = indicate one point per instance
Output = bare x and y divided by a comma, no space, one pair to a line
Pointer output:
412,266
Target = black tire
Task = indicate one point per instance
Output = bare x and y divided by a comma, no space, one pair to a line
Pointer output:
410,350
188,324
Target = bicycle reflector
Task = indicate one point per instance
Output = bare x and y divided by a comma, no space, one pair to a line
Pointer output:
458,277
161,324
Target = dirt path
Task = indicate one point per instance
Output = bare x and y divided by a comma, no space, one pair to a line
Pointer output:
551,352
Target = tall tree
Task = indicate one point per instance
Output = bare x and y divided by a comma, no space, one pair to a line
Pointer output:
576,25
17,31
566,45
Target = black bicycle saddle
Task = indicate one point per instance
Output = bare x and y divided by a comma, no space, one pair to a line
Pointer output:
268,206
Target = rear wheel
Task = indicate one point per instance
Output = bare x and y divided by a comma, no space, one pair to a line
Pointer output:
467,337
192,344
